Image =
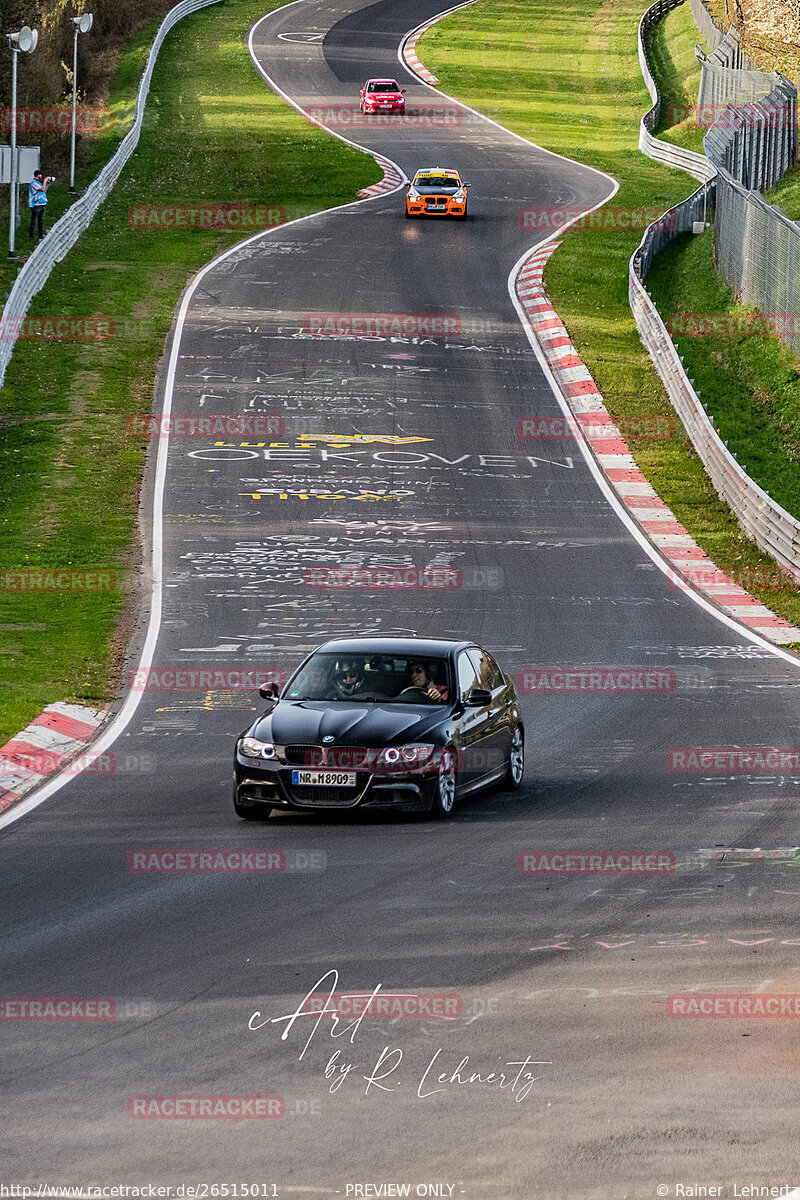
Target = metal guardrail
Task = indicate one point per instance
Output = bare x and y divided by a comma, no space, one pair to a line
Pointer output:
64,234
671,156
771,527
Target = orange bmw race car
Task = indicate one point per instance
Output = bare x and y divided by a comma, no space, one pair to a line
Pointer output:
438,191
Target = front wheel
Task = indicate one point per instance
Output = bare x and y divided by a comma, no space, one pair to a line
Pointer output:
512,780
250,812
462,216
409,216
444,792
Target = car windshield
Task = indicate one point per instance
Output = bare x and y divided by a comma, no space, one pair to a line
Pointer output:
371,678
437,181
383,87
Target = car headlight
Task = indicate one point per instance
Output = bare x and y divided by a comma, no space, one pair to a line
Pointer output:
413,194
460,195
253,748
401,757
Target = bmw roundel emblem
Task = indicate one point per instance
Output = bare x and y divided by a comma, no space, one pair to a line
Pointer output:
328,739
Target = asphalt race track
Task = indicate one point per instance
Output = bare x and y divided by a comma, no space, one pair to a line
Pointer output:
570,973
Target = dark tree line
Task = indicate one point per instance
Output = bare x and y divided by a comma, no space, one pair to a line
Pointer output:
45,77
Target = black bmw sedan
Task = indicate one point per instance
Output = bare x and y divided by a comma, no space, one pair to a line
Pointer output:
406,723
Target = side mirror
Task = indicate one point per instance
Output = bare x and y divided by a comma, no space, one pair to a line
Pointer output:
478,698
269,691
467,185
402,91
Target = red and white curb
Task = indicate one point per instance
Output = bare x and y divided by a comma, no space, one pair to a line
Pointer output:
410,55
391,178
409,46
691,563
44,747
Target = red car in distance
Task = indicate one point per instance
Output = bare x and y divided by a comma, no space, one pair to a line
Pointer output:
382,95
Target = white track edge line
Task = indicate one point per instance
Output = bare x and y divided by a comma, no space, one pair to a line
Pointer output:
131,703
614,500
123,718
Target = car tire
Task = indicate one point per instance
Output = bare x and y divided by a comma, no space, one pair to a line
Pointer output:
444,790
512,780
462,216
409,216
250,812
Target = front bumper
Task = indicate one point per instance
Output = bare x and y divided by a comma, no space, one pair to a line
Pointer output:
269,783
415,208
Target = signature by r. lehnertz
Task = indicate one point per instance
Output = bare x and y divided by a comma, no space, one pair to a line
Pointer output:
385,1074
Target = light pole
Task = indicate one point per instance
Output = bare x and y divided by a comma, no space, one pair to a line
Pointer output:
80,25
26,40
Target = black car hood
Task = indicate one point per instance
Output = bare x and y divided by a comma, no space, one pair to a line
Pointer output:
350,724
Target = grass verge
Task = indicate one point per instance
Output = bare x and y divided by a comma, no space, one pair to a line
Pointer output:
675,67
568,78
70,472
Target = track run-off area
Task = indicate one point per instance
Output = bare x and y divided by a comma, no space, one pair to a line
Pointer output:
554,989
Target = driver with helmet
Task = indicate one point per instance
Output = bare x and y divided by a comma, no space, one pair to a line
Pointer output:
348,678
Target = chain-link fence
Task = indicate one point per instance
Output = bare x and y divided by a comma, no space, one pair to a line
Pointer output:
727,54
721,84
53,248
757,250
757,143
710,31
